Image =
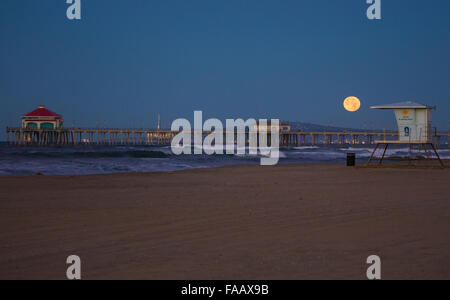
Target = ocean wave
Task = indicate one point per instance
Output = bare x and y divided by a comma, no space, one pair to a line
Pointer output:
306,147
18,161
356,149
94,154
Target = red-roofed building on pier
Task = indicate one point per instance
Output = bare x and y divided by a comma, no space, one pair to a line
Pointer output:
42,118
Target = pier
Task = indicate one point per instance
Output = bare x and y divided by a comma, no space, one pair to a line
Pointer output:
130,137
78,136
304,138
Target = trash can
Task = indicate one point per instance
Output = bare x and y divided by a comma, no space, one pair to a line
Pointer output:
351,159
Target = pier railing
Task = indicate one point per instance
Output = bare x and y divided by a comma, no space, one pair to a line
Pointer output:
86,136
117,136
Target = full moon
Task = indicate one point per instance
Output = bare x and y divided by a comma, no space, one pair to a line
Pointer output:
352,104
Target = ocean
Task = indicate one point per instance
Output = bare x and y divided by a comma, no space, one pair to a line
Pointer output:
84,160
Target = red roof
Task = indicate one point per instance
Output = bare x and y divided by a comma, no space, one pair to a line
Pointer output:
42,112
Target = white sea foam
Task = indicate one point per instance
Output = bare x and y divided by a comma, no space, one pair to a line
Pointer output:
306,147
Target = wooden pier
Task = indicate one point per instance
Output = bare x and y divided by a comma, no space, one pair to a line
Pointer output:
315,138
78,136
128,137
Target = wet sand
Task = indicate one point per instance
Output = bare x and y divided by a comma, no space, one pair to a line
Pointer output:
240,222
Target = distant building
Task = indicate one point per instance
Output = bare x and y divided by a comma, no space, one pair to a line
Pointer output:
283,127
42,118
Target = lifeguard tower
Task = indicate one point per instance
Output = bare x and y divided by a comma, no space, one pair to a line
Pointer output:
415,128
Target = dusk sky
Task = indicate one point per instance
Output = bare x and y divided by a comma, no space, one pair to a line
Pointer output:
126,61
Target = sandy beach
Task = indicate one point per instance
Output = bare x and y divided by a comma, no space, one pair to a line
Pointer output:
240,222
